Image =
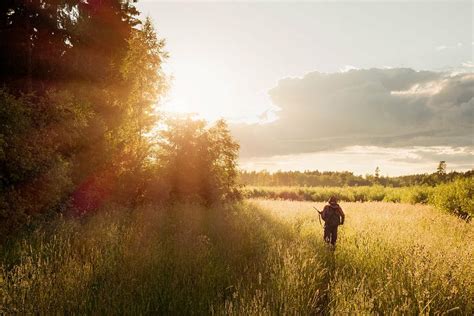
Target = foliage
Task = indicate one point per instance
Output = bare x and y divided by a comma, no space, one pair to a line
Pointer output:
441,170
82,79
416,194
47,44
297,178
456,197
344,178
242,259
198,161
35,175
144,83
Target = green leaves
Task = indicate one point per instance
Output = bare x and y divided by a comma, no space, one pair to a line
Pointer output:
455,197
198,161
36,137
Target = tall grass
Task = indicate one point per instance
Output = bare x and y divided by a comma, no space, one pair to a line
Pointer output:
455,197
263,257
181,260
392,258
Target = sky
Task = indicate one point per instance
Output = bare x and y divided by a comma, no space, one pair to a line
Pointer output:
327,85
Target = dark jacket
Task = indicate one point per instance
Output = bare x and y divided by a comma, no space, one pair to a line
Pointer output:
333,215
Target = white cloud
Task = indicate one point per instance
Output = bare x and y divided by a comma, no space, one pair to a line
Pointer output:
468,64
441,47
428,88
347,68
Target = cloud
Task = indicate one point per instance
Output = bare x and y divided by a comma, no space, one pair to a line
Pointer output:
464,68
366,107
453,46
468,64
347,68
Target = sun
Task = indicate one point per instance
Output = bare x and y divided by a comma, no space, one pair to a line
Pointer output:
211,92
198,90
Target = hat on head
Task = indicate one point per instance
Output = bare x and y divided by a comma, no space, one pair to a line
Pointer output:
332,199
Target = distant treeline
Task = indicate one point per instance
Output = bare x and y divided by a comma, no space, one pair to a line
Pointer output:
346,178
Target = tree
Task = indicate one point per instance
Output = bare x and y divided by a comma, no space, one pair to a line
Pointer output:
224,153
441,170
90,78
102,29
197,161
377,175
144,83
35,173
34,43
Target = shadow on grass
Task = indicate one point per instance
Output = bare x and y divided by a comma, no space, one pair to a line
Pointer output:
184,259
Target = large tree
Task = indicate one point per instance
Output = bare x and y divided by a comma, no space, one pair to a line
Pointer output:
46,43
78,80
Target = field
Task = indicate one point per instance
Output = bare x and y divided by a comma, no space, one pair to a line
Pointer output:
392,257
456,197
255,257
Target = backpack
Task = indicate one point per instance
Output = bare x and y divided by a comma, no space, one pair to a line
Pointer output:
331,216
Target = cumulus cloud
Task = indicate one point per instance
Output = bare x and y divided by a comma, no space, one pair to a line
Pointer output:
367,107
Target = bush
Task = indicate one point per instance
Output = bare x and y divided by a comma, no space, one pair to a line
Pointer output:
412,195
377,193
418,194
455,197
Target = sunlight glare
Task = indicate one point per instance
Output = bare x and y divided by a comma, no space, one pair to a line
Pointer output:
211,92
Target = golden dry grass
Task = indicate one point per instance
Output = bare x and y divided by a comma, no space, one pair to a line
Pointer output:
396,258
254,258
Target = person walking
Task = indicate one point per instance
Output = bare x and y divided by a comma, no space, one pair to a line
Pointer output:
333,216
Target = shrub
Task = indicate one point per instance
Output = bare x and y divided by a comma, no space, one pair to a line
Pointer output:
376,193
455,197
417,194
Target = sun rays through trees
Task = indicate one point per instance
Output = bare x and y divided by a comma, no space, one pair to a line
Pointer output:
80,85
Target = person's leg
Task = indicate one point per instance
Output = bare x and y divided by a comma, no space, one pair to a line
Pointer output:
334,235
327,234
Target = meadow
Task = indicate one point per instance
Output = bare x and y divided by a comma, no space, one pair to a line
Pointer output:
455,197
115,201
254,257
